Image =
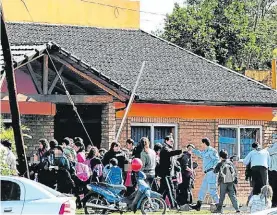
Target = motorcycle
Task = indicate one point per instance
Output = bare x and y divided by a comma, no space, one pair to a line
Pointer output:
104,197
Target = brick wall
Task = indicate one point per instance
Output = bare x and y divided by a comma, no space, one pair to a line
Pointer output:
193,131
108,125
40,127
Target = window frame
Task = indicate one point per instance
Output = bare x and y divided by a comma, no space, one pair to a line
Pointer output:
238,127
21,187
152,131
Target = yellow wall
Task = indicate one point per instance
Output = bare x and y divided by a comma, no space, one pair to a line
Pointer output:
263,76
74,12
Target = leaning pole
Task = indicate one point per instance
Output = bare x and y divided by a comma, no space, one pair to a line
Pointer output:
11,85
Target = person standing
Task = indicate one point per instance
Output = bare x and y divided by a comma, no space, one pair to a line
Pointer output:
69,152
227,178
130,147
272,171
166,186
260,160
115,152
9,157
148,158
210,160
184,189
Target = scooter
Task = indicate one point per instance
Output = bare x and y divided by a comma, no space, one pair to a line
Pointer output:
103,198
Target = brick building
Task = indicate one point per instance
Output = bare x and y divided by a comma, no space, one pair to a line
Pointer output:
179,93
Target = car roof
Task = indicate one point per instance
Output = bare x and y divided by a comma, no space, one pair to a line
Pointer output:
33,190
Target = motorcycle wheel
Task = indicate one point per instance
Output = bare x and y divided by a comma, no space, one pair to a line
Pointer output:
95,211
158,205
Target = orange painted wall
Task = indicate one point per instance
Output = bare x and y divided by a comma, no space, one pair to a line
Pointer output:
197,111
34,108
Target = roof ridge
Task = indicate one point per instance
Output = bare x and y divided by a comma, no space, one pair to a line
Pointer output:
70,25
210,61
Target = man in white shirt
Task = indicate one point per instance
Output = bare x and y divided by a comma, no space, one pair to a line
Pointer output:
272,170
260,160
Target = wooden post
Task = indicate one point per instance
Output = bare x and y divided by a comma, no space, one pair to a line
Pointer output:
274,75
11,85
45,75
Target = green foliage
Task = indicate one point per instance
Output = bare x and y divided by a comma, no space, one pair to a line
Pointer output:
4,167
7,134
237,34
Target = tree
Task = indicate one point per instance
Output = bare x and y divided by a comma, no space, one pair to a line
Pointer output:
233,33
7,134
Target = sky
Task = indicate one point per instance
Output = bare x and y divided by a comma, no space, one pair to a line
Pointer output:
149,22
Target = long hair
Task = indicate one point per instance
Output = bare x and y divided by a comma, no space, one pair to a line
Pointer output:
45,143
114,144
81,145
93,153
266,193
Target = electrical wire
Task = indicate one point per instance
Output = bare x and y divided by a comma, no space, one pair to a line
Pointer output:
123,8
69,97
25,5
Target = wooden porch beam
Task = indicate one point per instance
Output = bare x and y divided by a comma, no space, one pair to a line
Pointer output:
70,82
63,99
55,80
93,81
34,78
45,75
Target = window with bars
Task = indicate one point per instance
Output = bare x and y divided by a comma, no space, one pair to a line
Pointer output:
237,140
155,132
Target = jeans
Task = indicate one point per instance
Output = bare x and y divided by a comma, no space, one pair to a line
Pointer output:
209,184
228,188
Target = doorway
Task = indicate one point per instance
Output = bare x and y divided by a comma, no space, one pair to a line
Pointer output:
67,124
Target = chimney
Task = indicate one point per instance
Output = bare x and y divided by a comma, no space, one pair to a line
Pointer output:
274,75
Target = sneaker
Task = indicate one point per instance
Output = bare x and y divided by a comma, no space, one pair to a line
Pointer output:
238,211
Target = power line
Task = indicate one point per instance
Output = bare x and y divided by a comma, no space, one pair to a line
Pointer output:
69,97
123,8
25,5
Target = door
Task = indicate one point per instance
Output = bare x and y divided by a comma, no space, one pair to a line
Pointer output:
12,200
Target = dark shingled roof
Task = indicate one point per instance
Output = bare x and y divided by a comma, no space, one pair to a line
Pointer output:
22,54
172,74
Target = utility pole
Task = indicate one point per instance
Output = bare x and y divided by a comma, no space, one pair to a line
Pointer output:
130,102
11,85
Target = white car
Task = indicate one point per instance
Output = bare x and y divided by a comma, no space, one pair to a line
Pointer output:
271,211
23,196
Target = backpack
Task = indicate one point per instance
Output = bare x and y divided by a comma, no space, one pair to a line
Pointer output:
82,171
227,172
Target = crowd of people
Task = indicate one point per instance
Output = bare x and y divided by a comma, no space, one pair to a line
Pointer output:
68,165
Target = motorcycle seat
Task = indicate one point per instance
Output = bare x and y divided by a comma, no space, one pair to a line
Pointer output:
114,186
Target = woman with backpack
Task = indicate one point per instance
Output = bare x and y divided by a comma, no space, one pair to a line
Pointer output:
94,163
227,177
